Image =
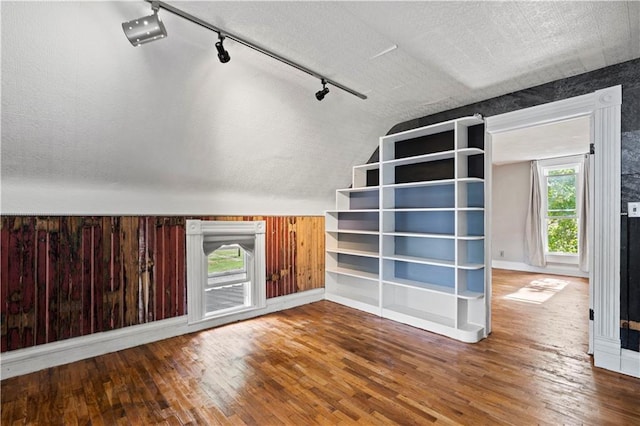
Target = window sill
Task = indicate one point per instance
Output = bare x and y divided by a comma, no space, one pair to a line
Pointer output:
567,259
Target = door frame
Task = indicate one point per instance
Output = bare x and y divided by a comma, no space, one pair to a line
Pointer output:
603,107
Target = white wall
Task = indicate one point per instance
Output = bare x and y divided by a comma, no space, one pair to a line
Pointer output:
510,193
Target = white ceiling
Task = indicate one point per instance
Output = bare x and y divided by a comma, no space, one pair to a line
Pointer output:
82,108
560,139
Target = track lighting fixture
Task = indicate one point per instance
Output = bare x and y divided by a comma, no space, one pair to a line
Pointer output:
223,55
320,94
145,29
150,28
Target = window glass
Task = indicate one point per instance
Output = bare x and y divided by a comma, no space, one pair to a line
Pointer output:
561,210
226,259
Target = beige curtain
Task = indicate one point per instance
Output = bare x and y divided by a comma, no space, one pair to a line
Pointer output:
534,246
583,225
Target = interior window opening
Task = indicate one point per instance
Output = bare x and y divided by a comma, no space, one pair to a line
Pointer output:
225,269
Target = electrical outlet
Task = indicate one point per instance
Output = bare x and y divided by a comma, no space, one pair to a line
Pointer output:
634,209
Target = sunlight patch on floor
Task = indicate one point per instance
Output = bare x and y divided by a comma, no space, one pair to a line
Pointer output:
538,291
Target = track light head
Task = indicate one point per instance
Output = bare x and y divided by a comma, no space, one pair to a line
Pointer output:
145,29
223,55
320,94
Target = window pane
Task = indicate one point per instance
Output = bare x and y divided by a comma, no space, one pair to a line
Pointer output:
227,285
561,195
560,172
562,235
226,259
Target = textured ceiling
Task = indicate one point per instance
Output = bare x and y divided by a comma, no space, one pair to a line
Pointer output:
82,108
560,139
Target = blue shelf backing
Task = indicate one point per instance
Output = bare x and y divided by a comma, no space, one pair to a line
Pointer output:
363,200
475,194
428,274
433,248
364,264
475,223
474,251
425,222
425,197
360,221
475,280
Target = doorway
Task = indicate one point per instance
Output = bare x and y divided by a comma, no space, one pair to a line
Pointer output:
549,148
602,108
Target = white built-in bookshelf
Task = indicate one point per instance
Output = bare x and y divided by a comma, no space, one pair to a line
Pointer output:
407,240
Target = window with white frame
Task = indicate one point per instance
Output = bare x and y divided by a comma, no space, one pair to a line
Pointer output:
560,201
225,268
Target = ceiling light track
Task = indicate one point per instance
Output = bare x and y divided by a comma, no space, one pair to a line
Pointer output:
226,34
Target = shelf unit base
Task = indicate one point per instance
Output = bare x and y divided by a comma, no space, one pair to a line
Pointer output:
469,333
345,299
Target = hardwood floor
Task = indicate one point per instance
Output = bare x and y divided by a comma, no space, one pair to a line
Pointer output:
328,364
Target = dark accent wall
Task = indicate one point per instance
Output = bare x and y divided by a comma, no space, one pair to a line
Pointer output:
626,74
64,277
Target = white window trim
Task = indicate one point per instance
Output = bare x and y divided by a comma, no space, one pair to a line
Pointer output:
197,271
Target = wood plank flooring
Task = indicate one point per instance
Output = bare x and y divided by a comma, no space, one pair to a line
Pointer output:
327,364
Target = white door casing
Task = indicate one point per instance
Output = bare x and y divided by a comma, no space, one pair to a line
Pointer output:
603,107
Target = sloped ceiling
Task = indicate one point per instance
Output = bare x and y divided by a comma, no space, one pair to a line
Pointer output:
91,124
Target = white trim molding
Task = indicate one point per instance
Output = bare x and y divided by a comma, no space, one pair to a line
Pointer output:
29,360
630,363
603,108
197,231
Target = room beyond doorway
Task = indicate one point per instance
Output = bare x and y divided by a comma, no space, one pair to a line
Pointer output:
545,310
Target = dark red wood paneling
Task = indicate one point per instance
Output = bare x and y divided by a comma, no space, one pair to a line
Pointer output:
144,269
64,299
115,296
42,248
5,251
86,281
97,274
107,279
159,263
14,297
170,270
54,281
150,232
28,314
76,313
181,272
70,276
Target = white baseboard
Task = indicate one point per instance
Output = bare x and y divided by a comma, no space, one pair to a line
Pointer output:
29,360
606,353
630,363
609,355
571,271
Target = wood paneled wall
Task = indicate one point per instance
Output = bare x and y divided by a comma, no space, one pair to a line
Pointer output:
294,252
65,277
